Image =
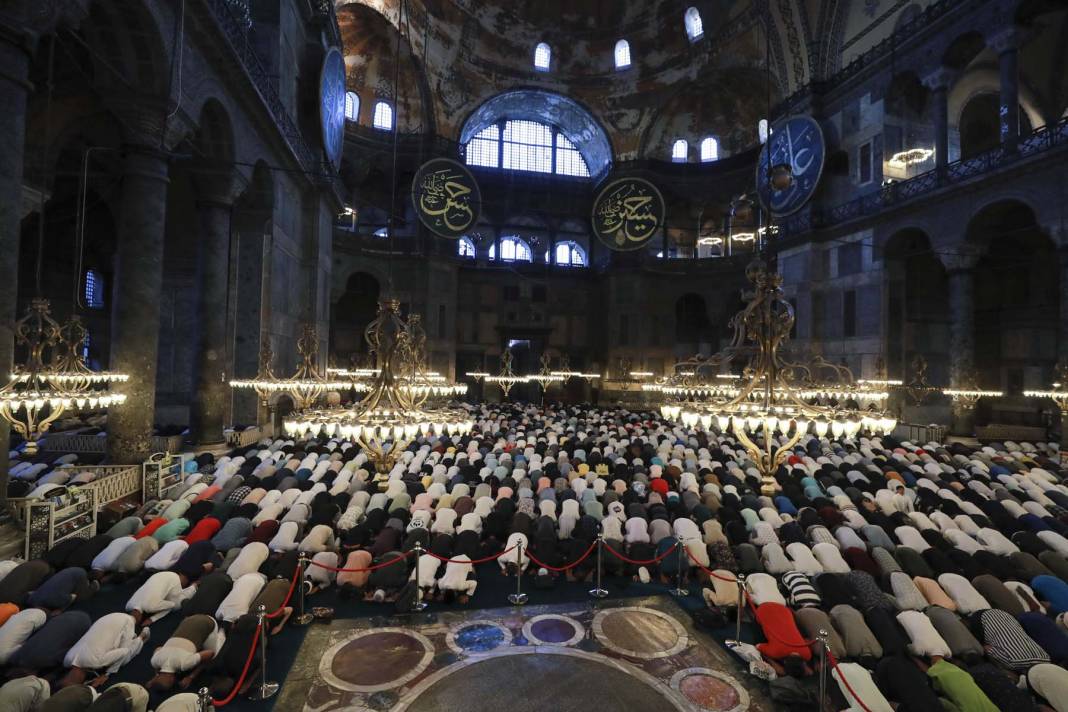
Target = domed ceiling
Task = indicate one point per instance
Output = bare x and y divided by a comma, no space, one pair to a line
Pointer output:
457,54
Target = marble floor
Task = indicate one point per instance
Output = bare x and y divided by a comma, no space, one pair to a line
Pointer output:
636,654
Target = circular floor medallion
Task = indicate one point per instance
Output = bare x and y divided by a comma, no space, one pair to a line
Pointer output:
710,690
552,629
377,659
639,632
478,636
527,680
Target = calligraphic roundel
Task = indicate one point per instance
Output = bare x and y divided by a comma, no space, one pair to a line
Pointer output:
332,104
797,142
628,213
446,197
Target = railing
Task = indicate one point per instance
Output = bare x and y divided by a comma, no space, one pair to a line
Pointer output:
162,475
920,434
98,444
1043,139
46,522
238,35
244,438
111,482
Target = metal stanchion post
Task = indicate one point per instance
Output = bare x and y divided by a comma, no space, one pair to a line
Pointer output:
680,553
599,591
822,635
303,617
518,598
740,579
419,605
204,699
266,689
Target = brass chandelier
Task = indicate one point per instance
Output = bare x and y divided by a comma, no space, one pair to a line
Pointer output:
775,402
395,411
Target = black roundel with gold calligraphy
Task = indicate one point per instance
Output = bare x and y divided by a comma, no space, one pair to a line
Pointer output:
446,197
628,213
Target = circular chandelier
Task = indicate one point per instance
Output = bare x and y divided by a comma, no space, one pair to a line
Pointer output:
775,402
395,410
38,393
545,377
305,386
1059,392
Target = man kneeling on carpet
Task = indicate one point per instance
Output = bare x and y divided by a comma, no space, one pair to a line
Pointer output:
195,642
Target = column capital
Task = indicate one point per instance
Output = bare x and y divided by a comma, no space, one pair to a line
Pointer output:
939,79
145,121
960,259
1006,40
217,183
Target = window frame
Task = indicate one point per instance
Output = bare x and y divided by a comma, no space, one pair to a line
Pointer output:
470,244
492,151
552,256
94,289
715,149
516,241
392,116
685,145
548,57
622,51
691,19
354,98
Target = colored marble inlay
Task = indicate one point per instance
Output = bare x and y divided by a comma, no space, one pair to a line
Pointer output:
710,693
553,630
377,658
641,632
479,638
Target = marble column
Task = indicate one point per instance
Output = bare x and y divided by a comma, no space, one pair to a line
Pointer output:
142,208
960,273
15,50
211,396
938,82
1062,331
1007,45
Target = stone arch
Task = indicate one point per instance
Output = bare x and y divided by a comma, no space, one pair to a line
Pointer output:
349,316
214,139
974,108
917,306
1016,296
127,38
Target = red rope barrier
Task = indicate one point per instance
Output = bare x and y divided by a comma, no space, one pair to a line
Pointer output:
244,673
834,664
494,557
569,566
298,574
383,565
647,562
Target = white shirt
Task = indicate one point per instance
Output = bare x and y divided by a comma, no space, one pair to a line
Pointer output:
17,630
109,641
167,556
249,560
160,594
241,596
105,560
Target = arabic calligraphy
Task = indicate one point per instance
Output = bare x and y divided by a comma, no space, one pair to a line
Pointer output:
446,197
627,213
798,144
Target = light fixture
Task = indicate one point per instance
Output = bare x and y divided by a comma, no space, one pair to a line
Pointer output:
781,176
969,393
1059,392
506,377
305,386
545,377
744,236
566,373
37,394
393,413
776,401
912,156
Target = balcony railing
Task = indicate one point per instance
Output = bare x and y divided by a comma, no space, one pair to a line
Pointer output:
237,32
1042,140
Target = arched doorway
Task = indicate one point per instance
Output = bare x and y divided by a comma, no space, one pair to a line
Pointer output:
1017,298
917,322
350,315
980,124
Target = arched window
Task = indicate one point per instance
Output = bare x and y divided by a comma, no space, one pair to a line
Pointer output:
709,149
521,145
679,149
568,254
694,28
381,232
622,54
465,247
513,249
763,130
383,118
352,106
542,57
94,289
